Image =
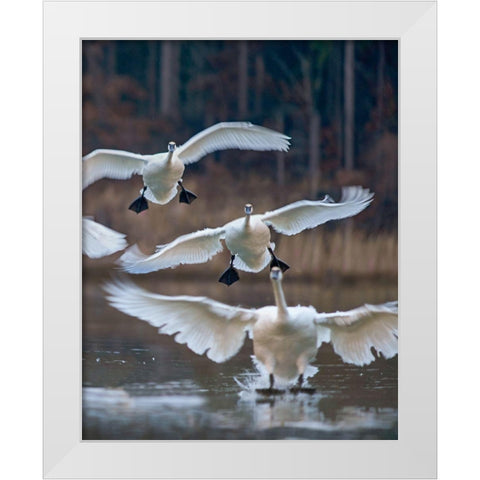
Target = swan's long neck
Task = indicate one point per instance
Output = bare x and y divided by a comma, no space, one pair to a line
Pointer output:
247,220
169,157
280,300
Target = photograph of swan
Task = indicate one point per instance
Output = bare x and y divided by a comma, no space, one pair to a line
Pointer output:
285,339
99,241
162,172
287,151
248,238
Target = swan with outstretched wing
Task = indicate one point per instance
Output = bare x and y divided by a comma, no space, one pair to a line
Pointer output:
162,172
285,339
248,238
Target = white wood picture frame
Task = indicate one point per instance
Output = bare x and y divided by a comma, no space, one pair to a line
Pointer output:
413,23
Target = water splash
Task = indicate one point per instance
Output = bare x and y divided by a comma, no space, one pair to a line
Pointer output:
250,381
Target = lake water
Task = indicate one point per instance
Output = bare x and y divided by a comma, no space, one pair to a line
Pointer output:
141,385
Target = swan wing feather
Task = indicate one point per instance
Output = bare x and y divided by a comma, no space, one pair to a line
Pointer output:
99,241
196,247
116,164
355,332
298,216
204,325
231,135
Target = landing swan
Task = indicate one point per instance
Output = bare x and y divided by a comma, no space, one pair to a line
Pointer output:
99,241
162,172
247,238
285,339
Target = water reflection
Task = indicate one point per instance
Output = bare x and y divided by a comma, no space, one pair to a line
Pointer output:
305,412
349,403
179,410
141,385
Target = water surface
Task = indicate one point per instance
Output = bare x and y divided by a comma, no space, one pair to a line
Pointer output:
141,385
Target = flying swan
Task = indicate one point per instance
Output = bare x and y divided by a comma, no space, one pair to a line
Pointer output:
285,339
247,238
99,241
162,172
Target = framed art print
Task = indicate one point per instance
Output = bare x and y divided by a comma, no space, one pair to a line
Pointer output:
237,264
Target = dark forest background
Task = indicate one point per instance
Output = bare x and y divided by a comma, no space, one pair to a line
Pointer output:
338,100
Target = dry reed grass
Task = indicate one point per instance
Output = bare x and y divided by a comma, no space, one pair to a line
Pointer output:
341,248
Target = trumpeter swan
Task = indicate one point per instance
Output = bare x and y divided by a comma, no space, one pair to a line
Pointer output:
247,238
285,339
99,240
162,172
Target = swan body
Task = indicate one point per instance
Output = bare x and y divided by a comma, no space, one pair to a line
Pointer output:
285,344
162,172
248,238
285,339
161,176
99,241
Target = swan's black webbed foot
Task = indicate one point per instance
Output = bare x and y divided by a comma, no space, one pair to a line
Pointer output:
299,389
186,196
139,204
230,275
308,390
270,390
298,386
276,262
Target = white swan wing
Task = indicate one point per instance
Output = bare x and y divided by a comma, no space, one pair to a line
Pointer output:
116,164
99,241
355,332
197,247
298,216
231,135
202,324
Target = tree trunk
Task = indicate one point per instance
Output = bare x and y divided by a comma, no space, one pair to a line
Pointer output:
338,104
314,152
242,78
313,129
280,125
259,82
169,78
112,58
378,174
95,58
349,139
175,80
349,104
151,77
380,86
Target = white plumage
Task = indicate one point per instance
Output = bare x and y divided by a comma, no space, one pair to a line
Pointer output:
99,241
197,247
199,322
285,339
353,333
162,171
247,238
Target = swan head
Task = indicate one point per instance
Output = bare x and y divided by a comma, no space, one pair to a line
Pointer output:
276,274
172,146
248,209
